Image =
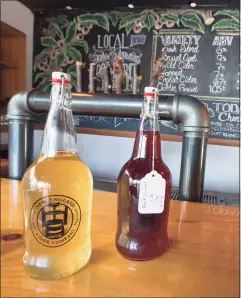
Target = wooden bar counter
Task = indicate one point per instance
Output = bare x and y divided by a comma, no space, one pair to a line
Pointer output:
202,261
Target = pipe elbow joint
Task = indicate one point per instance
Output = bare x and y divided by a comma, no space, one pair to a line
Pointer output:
191,112
18,107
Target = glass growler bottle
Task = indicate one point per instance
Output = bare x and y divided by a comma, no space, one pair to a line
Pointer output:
57,195
144,191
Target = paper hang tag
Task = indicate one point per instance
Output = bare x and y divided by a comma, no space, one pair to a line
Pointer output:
152,194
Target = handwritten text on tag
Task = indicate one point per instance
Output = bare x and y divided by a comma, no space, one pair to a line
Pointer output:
152,194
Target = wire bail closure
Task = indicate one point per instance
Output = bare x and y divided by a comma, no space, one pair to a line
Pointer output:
60,102
147,114
62,91
59,93
153,140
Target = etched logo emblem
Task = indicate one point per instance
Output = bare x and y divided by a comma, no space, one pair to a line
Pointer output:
55,220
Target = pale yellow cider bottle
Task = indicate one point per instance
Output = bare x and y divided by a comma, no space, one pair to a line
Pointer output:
57,195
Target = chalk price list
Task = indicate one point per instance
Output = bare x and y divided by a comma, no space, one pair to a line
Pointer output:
219,83
180,53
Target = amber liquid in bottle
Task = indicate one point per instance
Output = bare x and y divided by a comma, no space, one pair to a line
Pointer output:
142,236
57,197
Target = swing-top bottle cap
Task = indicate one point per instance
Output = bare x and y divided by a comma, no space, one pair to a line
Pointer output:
57,77
151,91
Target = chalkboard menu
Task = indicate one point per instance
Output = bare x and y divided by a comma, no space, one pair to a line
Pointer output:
200,50
202,65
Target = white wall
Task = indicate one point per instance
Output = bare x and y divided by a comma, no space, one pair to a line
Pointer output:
106,155
20,17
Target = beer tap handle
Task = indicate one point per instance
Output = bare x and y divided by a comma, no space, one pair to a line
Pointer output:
158,70
92,78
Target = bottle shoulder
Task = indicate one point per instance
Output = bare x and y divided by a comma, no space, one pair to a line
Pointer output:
138,168
55,169
29,170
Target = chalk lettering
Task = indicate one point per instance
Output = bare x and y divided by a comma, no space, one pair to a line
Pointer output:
111,46
227,107
170,49
189,49
222,40
228,117
111,41
184,88
180,39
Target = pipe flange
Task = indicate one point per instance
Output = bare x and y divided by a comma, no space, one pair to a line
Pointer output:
195,129
175,109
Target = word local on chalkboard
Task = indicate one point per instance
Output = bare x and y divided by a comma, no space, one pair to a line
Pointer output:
110,47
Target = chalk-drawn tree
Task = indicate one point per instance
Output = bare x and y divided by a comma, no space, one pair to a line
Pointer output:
58,52
230,22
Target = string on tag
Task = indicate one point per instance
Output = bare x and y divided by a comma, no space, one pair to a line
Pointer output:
62,92
61,101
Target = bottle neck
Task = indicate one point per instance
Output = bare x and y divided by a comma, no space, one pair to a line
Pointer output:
148,138
59,133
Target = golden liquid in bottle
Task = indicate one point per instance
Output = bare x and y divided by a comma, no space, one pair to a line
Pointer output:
57,205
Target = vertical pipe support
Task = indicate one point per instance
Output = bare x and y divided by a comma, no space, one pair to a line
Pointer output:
20,144
194,117
194,150
20,135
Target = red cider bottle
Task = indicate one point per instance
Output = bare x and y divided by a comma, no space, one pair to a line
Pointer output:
144,191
